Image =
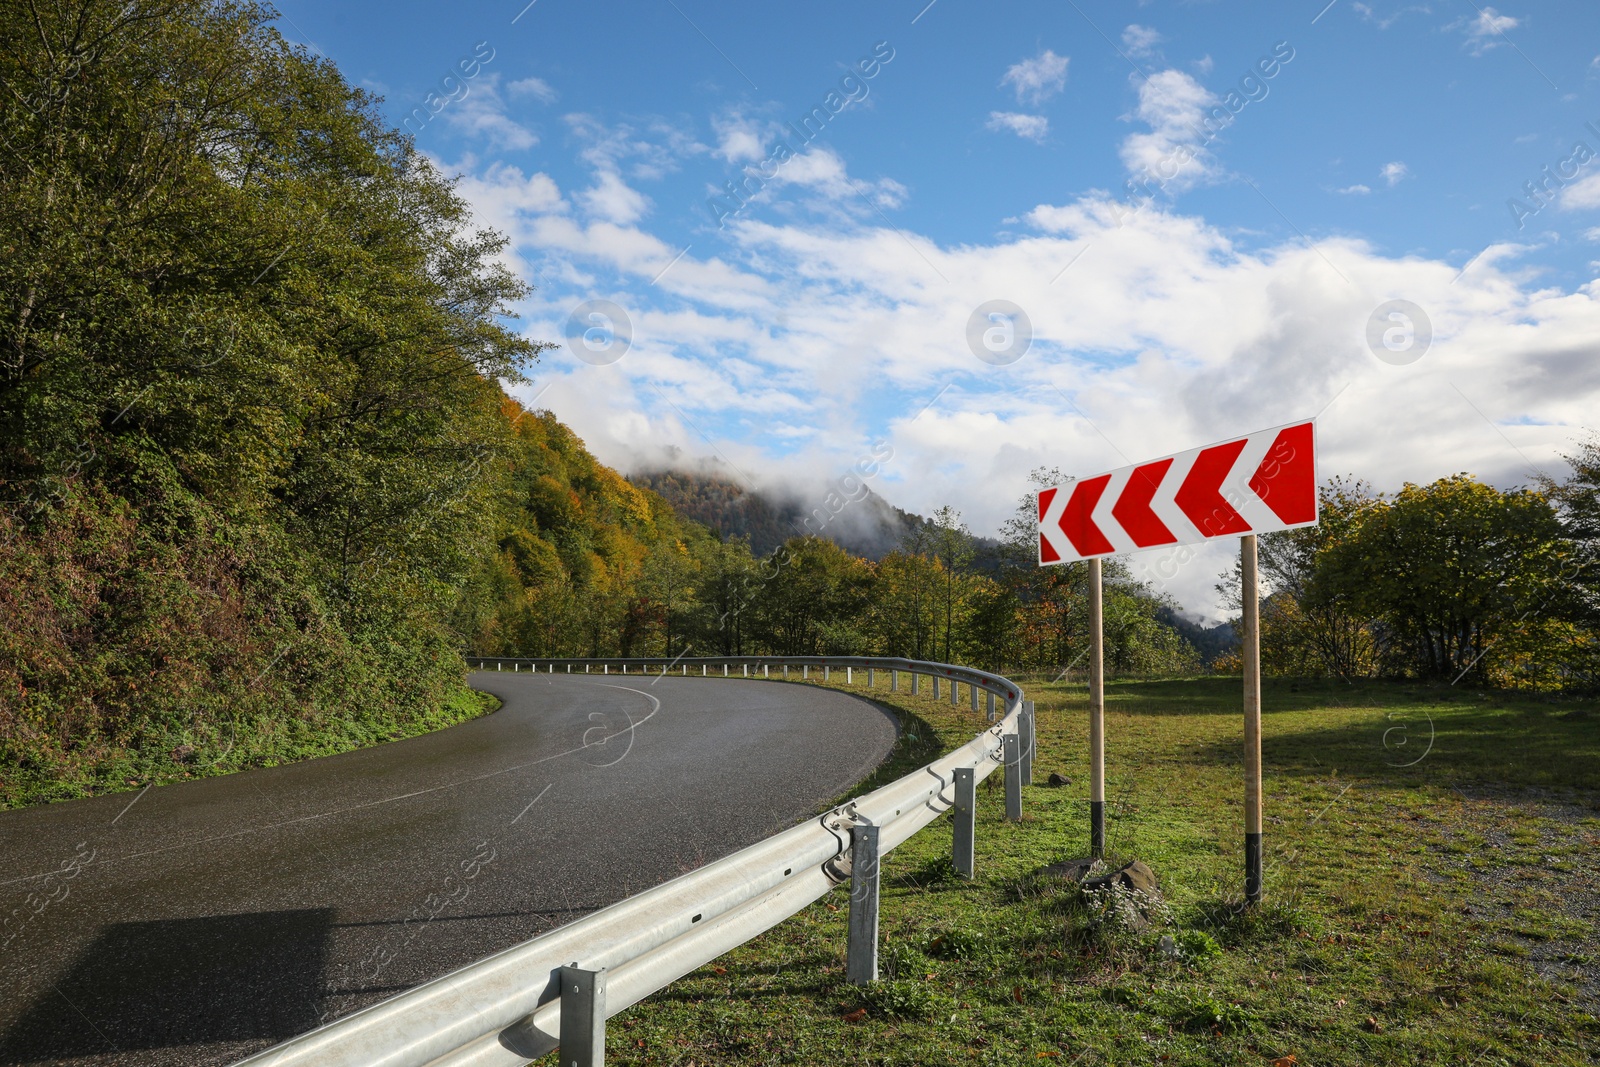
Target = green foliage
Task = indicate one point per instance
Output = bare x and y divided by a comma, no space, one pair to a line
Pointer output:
249,417
1453,580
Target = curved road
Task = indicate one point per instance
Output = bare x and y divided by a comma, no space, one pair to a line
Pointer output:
200,922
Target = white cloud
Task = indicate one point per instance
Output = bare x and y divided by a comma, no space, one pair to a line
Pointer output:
793,340
1033,127
739,139
1592,234
614,200
482,113
1173,105
1038,79
1394,173
1140,40
1487,30
1356,190
1368,14
1581,194
537,88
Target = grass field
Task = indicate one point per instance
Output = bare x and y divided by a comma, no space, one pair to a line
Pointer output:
1432,898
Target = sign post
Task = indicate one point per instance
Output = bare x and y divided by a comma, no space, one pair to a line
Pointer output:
1097,715
1251,485
1251,639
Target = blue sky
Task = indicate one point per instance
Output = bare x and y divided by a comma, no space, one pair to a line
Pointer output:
1369,153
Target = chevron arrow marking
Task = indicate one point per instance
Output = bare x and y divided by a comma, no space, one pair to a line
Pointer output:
1253,484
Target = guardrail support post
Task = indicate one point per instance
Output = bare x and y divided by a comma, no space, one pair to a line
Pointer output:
805,671
849,676
765,670
786,671
955,693
746,667
583,1017
862,963
827,672
869,677
990,695
1013,760
966,811
894,681
935,678
724,670
915,679
1026,727
974,690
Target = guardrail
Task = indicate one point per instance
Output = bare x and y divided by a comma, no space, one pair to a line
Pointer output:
558,989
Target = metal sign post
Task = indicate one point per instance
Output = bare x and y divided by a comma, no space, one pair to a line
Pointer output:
1097,715
1251,639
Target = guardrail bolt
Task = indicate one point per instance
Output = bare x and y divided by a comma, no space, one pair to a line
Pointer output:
862,963
583,1017
966,814
1013,761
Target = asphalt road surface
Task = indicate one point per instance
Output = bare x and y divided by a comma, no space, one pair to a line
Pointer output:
200,922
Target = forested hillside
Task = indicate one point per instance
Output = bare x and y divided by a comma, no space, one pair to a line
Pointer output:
854,517
249,409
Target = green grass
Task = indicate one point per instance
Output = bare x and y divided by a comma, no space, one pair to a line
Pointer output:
265,742
1433,910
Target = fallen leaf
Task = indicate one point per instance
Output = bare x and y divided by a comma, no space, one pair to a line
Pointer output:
856,1016
1285,1061
833,907
720,970
1374,1025
1341,1002
1048,1054
1016,994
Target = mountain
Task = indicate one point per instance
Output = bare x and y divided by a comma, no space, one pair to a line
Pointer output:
1209,641
865,525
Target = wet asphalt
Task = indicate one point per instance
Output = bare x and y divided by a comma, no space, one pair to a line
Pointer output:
200,922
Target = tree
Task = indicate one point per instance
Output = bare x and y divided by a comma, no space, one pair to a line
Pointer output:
1451,569
951,543
817,604
248,336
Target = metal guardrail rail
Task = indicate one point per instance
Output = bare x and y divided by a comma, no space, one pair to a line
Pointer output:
559,988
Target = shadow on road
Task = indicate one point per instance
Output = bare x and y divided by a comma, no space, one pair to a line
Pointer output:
150,985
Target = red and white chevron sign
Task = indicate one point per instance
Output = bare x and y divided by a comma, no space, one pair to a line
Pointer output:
1266,481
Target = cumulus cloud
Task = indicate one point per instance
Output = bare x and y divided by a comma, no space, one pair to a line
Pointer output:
613,200
1038,79
1487,30
1356,190
1582,194
1173,104
534,88
1394,173
739,139
1140,40
794,342
482,114
1033,127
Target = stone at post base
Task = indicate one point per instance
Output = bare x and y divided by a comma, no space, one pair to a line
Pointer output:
1134,875
1058,780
